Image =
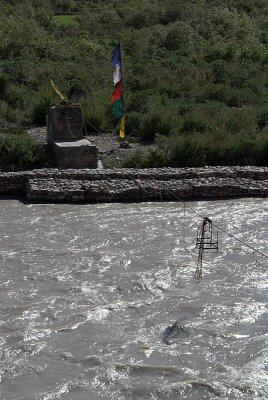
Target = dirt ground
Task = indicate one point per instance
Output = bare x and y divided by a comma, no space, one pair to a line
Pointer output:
111,152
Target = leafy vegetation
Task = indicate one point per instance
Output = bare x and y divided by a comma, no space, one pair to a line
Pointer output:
65,21
20,151
195,72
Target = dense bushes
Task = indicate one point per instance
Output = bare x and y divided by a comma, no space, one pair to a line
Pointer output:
20,151
199,150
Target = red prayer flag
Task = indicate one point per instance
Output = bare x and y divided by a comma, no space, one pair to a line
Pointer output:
117,93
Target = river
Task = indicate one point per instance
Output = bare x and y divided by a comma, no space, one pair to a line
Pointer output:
88,290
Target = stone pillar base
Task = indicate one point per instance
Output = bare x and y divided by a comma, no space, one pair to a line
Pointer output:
76,154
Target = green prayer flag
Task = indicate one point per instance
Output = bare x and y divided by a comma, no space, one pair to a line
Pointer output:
117,107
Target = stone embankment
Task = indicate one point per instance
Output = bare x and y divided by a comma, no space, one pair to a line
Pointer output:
126,185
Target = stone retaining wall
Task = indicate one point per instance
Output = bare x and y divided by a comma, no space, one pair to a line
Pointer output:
98,185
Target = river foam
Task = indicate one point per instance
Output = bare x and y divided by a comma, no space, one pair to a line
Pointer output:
88,290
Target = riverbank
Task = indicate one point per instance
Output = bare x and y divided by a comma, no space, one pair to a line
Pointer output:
134,185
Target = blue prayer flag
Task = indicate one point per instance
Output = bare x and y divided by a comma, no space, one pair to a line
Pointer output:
116,55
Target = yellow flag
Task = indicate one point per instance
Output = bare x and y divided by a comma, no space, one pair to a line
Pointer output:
57,90
122,127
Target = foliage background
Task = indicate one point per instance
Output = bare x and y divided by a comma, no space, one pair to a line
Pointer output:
195,72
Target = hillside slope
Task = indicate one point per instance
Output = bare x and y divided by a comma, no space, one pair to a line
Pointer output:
195,72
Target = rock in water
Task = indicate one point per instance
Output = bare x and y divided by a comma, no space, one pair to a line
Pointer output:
171,332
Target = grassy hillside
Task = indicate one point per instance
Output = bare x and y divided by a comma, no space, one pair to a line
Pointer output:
195,72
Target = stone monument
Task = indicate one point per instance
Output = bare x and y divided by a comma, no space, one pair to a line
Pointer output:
65,135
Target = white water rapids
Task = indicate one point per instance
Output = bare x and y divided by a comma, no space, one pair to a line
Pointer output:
87,291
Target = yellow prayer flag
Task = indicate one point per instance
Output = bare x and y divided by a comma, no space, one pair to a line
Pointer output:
57,90
122,127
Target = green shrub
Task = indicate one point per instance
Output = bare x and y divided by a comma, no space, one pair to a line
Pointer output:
14,130
216,92
132,123
15,96
14,116
260,149
144,15
263,118
135,101
187,151
180,34
4,79
195,121
140,159
21,151
153,123
96,115
3,112
243,120
207,149
66,21
228,149
220,71
41,103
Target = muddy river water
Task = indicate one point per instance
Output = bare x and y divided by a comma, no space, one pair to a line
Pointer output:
88,290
